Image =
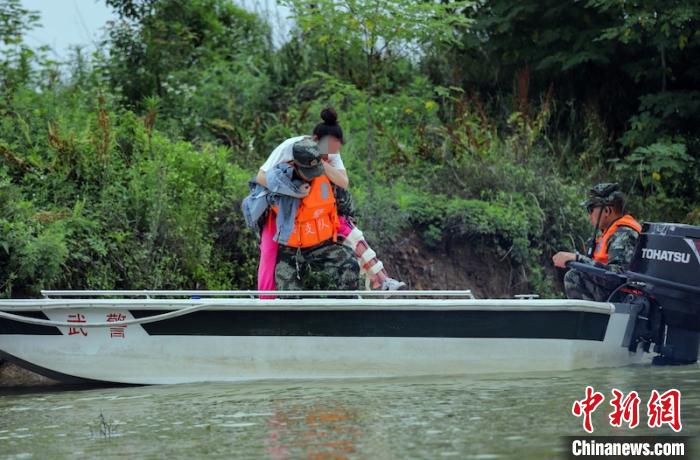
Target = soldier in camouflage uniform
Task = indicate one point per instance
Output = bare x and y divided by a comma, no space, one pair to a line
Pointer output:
327,138
328,265
612,250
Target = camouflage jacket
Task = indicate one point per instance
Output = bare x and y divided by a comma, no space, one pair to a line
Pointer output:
621,245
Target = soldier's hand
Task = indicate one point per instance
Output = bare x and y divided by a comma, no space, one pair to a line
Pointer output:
305,189
561,258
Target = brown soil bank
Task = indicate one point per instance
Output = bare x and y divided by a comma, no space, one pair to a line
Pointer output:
455,267
12,375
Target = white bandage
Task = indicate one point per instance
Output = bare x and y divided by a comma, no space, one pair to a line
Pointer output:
376,268
354,237
367,256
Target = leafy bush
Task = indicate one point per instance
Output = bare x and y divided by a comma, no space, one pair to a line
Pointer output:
474,124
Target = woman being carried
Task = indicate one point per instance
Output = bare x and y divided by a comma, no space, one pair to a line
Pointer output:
329,137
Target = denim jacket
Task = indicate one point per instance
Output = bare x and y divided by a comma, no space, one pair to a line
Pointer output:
282,191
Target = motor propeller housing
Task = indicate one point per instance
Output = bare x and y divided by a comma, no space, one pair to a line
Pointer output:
665,273
662,290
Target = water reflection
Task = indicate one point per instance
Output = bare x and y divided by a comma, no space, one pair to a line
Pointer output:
517,416
322,431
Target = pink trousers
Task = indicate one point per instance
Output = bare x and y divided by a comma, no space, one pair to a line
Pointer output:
268,253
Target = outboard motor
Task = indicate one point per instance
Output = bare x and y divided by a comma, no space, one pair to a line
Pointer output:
663,286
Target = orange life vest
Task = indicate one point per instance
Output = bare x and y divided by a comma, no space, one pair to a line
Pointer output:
317,216
601,244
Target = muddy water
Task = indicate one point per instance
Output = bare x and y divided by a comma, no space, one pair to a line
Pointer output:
521,416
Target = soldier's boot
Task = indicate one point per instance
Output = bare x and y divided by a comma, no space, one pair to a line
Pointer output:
367,258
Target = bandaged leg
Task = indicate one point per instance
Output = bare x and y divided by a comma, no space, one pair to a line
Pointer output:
367,258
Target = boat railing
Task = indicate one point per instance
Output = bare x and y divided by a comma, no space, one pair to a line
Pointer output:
198,294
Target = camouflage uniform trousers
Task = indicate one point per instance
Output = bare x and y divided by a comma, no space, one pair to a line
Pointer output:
327,266
579,285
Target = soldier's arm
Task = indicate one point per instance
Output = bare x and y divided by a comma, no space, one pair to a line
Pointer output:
620,251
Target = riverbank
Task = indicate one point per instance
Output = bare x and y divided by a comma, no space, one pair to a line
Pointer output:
12,375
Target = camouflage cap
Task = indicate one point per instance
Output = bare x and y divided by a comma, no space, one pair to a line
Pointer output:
307,158
603,194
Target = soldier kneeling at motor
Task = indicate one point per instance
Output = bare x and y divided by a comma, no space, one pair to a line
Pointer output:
311,258
612,247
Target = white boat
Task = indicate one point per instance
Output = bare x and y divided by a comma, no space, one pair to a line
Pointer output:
164,337
148,337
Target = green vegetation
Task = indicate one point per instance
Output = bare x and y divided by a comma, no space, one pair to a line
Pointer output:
472,123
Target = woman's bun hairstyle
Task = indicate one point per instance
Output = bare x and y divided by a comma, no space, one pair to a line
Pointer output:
329,116
329,126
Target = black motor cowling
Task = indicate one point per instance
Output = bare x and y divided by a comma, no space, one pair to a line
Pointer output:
663,285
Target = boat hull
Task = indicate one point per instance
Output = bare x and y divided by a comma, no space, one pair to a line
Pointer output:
234,342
